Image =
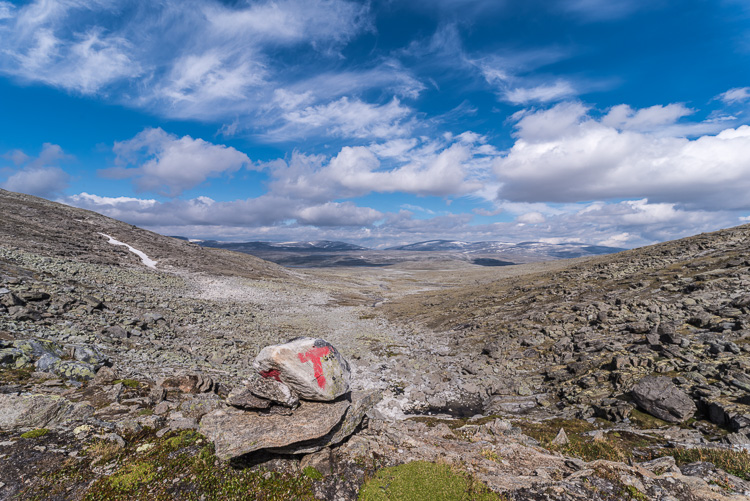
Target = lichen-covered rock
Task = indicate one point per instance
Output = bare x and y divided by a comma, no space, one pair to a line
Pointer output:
13,357
47,363
312,368
38,411
661,398
80,371
235,432
89,355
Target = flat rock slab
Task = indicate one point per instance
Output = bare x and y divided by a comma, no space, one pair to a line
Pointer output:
661,398
361,403
235,433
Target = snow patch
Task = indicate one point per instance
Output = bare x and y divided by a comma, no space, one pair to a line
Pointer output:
144,258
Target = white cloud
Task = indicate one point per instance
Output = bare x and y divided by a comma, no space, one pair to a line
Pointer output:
338,214
170,165
531,218
39,175
39,181
357,171
345,118
645,119
544,93
564,155
736,95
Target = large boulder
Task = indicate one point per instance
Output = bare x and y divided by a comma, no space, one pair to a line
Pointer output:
235,432
661,398
311,367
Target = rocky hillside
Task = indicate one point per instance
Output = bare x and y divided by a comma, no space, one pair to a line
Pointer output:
617,377
47,228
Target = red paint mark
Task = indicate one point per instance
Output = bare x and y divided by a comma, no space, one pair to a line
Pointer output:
272,373
314,356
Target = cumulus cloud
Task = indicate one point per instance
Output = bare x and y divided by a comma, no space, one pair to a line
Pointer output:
356,171
39,175
566,155
338,214
169,165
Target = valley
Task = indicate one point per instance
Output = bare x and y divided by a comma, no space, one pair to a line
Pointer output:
477,367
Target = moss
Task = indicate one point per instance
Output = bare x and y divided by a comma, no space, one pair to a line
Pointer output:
179,466
421,480
39,432
646,421
146,412
633,493
184,439
132,476
128,383
311,472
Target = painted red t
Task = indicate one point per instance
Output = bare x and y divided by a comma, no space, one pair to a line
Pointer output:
314,356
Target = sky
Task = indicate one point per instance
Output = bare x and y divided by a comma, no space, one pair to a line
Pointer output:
609,122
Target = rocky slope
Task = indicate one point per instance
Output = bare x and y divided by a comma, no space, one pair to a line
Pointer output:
107,367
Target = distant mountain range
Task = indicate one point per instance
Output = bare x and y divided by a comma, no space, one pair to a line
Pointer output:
324,253
561,250
315,246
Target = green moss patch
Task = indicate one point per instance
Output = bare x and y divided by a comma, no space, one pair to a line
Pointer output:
312,472
423,481
128,383
39,432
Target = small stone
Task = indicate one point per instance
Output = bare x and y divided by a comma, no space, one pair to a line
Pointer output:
561,438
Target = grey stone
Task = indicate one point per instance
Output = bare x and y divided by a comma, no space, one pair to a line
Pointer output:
275,391
243,398
235,433
661,398
47,363
312,368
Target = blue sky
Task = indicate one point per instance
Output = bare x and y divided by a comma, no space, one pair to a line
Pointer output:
614,122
